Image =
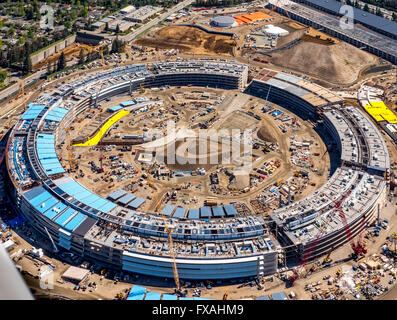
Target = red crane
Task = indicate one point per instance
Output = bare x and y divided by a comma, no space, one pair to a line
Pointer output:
357,248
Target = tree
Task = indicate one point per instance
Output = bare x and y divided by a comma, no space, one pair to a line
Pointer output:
27,65
117,46
3,76
61,61
49,68
107,27
81,56
117,29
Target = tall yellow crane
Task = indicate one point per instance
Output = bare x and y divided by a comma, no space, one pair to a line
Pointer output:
22,93
172,254
100,50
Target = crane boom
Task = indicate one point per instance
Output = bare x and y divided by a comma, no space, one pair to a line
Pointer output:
172,254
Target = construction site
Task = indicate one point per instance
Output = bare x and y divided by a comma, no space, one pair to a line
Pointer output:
284,151
217,162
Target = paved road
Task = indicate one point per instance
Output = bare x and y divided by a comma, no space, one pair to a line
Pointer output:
15,87
179,6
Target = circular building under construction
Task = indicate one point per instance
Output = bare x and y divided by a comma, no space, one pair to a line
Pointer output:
224,22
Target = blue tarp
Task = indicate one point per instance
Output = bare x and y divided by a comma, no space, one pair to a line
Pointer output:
279,296
16,221
137,293
169,297
218,211
230,210
152,296
136,203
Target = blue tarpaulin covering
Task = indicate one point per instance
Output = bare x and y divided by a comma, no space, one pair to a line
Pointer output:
137,293
279,296
16,221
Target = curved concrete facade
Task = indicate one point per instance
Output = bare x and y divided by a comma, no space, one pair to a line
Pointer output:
92,227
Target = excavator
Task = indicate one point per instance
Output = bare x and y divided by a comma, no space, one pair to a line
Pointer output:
327,259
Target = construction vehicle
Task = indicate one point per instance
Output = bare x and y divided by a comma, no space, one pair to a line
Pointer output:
327,258
376,280
225,295
142,88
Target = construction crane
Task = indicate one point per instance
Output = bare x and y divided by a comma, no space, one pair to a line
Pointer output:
52,241
178,289
359,247
278,4
308,254
22,93
100,50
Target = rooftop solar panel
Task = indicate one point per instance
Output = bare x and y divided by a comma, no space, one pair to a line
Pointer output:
168,210
117,194
205,212
194,214
218,211
136,203
179,212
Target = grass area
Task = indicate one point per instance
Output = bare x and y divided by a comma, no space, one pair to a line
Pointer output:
143,32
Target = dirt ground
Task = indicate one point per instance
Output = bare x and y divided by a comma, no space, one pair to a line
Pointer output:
71,51
188,39
198,187
339,63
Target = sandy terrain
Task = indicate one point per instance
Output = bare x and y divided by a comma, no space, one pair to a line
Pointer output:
338,63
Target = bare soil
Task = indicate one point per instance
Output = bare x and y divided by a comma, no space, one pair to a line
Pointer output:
339,63
188,39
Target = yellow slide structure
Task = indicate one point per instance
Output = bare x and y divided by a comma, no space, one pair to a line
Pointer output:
95,139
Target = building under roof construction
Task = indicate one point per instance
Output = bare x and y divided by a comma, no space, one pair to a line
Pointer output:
210,242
